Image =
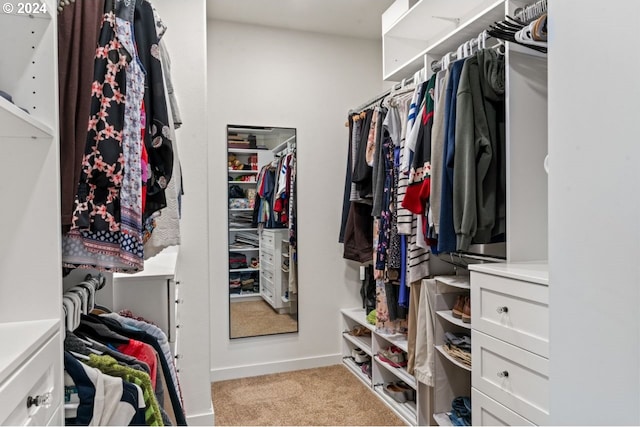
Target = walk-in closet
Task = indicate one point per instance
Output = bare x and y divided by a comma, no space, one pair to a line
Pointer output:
337,212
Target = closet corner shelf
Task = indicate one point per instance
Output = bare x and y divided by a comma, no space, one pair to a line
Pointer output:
442,351
398,372
493,11
21,339
16,123
442,419
448,316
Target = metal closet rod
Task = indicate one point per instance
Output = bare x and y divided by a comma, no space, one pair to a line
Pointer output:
384,94
532,11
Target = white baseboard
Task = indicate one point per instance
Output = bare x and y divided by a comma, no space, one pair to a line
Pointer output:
206,419
253,370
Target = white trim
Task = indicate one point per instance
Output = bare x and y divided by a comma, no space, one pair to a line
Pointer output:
234,372
206,419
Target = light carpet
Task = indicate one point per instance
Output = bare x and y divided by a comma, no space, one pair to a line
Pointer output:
252,318
321,396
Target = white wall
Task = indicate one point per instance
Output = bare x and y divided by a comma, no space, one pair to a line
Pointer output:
594,213
273,77
186,41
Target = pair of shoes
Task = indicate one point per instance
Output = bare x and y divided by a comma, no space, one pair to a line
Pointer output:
400,391
462,308
360,356
394,356
366,368
359,331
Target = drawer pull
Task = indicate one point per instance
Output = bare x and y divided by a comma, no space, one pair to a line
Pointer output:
503,374
179,301
502,310
39,400
178,356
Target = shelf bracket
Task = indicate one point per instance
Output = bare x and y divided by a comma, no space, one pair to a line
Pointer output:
446,18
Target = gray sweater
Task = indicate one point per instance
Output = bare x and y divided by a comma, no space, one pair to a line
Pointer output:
478,199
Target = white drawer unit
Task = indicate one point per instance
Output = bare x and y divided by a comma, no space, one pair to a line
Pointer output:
512,376
274,285
487,412
513,310
32,393
510,344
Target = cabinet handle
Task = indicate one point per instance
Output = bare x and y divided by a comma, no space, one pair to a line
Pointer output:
39,400
501,310
178,326
177,282
179,301
178,356
503,374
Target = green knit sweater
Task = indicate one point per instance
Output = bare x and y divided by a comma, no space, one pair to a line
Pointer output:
108,365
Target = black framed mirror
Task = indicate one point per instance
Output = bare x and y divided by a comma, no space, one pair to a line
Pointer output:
263,280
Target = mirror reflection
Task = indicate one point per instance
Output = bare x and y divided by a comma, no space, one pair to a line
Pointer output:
263,282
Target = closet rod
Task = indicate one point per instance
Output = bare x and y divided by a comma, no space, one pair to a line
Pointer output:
384,94
282,145
532,11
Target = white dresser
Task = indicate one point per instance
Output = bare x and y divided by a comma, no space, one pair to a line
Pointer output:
273,288
510,344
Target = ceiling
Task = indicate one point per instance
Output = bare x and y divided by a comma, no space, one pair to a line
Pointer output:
353,18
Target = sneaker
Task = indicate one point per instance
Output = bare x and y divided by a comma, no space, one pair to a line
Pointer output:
409,393
393,356
397,393
360,356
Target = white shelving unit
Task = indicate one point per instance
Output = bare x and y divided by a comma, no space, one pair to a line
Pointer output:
30,249
413,413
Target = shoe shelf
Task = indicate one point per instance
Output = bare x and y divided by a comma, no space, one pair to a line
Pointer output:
247,249
400,373
407,410
451,359
442,419
242,270
448,316
398,340
362,342
359,316
462,282
357,371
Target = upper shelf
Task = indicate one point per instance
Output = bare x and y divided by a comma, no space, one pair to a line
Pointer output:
421,31
14,122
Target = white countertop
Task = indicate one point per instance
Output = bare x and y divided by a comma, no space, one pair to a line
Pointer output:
162,265
536,272
20,340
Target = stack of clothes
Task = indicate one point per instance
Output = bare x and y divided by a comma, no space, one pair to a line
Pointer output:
458,346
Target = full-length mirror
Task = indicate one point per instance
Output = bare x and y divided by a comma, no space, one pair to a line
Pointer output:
263,281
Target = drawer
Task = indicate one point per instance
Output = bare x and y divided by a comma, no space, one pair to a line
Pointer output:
266,257
266,270
516,378
487,412
267,240
266,283
39,375
266,293
512,310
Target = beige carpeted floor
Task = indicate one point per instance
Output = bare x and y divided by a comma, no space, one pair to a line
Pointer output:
251,318
322,396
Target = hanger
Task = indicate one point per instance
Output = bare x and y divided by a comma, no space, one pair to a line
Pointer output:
79,356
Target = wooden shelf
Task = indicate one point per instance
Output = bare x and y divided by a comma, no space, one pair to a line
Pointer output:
17,124
407,411
362,342
429,36
243,229
358,315
245,150
243,249
240,270
442,419
442,351
462,282
240,209
242,172
242,182
400,373
448,316
399,340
